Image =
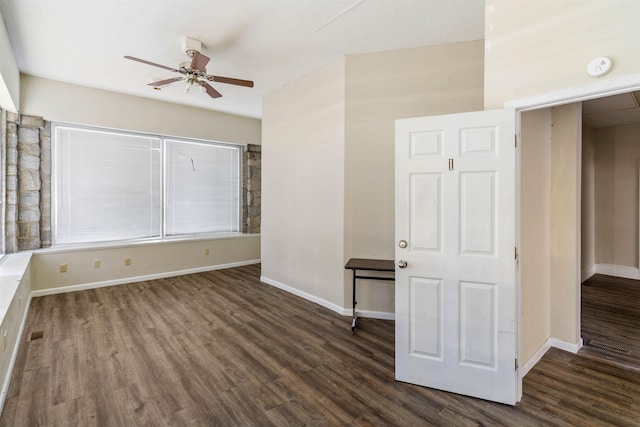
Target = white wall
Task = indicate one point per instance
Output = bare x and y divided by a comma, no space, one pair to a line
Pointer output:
303,185
9,74
64,102
534,47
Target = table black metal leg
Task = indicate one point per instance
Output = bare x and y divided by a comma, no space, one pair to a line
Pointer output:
354,316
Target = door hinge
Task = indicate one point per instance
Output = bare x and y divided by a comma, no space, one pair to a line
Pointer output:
515,252
516,364
515,140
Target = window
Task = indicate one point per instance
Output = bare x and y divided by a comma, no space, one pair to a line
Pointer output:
115,185
202,183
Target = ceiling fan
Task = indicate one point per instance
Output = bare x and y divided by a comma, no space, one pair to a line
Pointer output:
194,72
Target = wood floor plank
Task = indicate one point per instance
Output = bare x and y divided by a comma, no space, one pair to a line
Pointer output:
222,348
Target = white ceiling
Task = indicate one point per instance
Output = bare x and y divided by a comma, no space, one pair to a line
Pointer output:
270,42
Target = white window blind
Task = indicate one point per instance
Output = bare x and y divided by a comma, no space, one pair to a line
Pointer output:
108,185
202,187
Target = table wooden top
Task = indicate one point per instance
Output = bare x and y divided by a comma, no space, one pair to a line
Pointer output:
371,264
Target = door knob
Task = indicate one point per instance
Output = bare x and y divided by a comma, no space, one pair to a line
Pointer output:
402,244
402,263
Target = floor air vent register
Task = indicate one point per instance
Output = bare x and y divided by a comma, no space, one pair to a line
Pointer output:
608,347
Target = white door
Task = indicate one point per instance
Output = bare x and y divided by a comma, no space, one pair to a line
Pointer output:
456,296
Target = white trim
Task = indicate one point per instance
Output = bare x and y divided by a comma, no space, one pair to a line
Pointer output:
533,360
597,89
566,346
588,272
297,292
125,280
518,245
344,311
14,355
98,246
618,271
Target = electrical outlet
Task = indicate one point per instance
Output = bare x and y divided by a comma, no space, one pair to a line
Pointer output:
63,268
96,263
206,251
127,261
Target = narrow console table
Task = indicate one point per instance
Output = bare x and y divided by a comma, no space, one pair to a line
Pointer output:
372,265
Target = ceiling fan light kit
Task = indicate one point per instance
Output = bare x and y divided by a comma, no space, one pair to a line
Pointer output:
193,72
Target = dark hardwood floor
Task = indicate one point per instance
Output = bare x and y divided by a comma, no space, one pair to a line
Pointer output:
221,348
610,315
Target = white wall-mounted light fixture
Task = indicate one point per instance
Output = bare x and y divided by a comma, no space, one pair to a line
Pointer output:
599,66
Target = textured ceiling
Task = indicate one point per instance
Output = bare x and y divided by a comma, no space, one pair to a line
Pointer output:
268,41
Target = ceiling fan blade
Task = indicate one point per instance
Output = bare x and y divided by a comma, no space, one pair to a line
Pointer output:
210,90
133,58
229,80
165,82
199,61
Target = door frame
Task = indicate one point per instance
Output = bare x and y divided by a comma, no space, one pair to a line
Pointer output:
597,89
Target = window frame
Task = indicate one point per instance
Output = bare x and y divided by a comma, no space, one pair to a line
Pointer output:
162,237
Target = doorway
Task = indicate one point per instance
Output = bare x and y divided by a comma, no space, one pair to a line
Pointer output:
610,290
550,312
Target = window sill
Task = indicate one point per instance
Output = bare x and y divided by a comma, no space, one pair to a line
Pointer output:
136,243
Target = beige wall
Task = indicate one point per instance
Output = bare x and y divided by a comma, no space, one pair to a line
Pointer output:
565,222
380,88
617,159
328,162
604,198
533,47
535,230
146,259
58,101
303,184
588,238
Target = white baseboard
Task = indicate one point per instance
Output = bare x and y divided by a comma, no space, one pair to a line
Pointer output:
14,355
533,360
327,304
125,280
297,292
618,271
383,315
566,346
588,272
551,342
